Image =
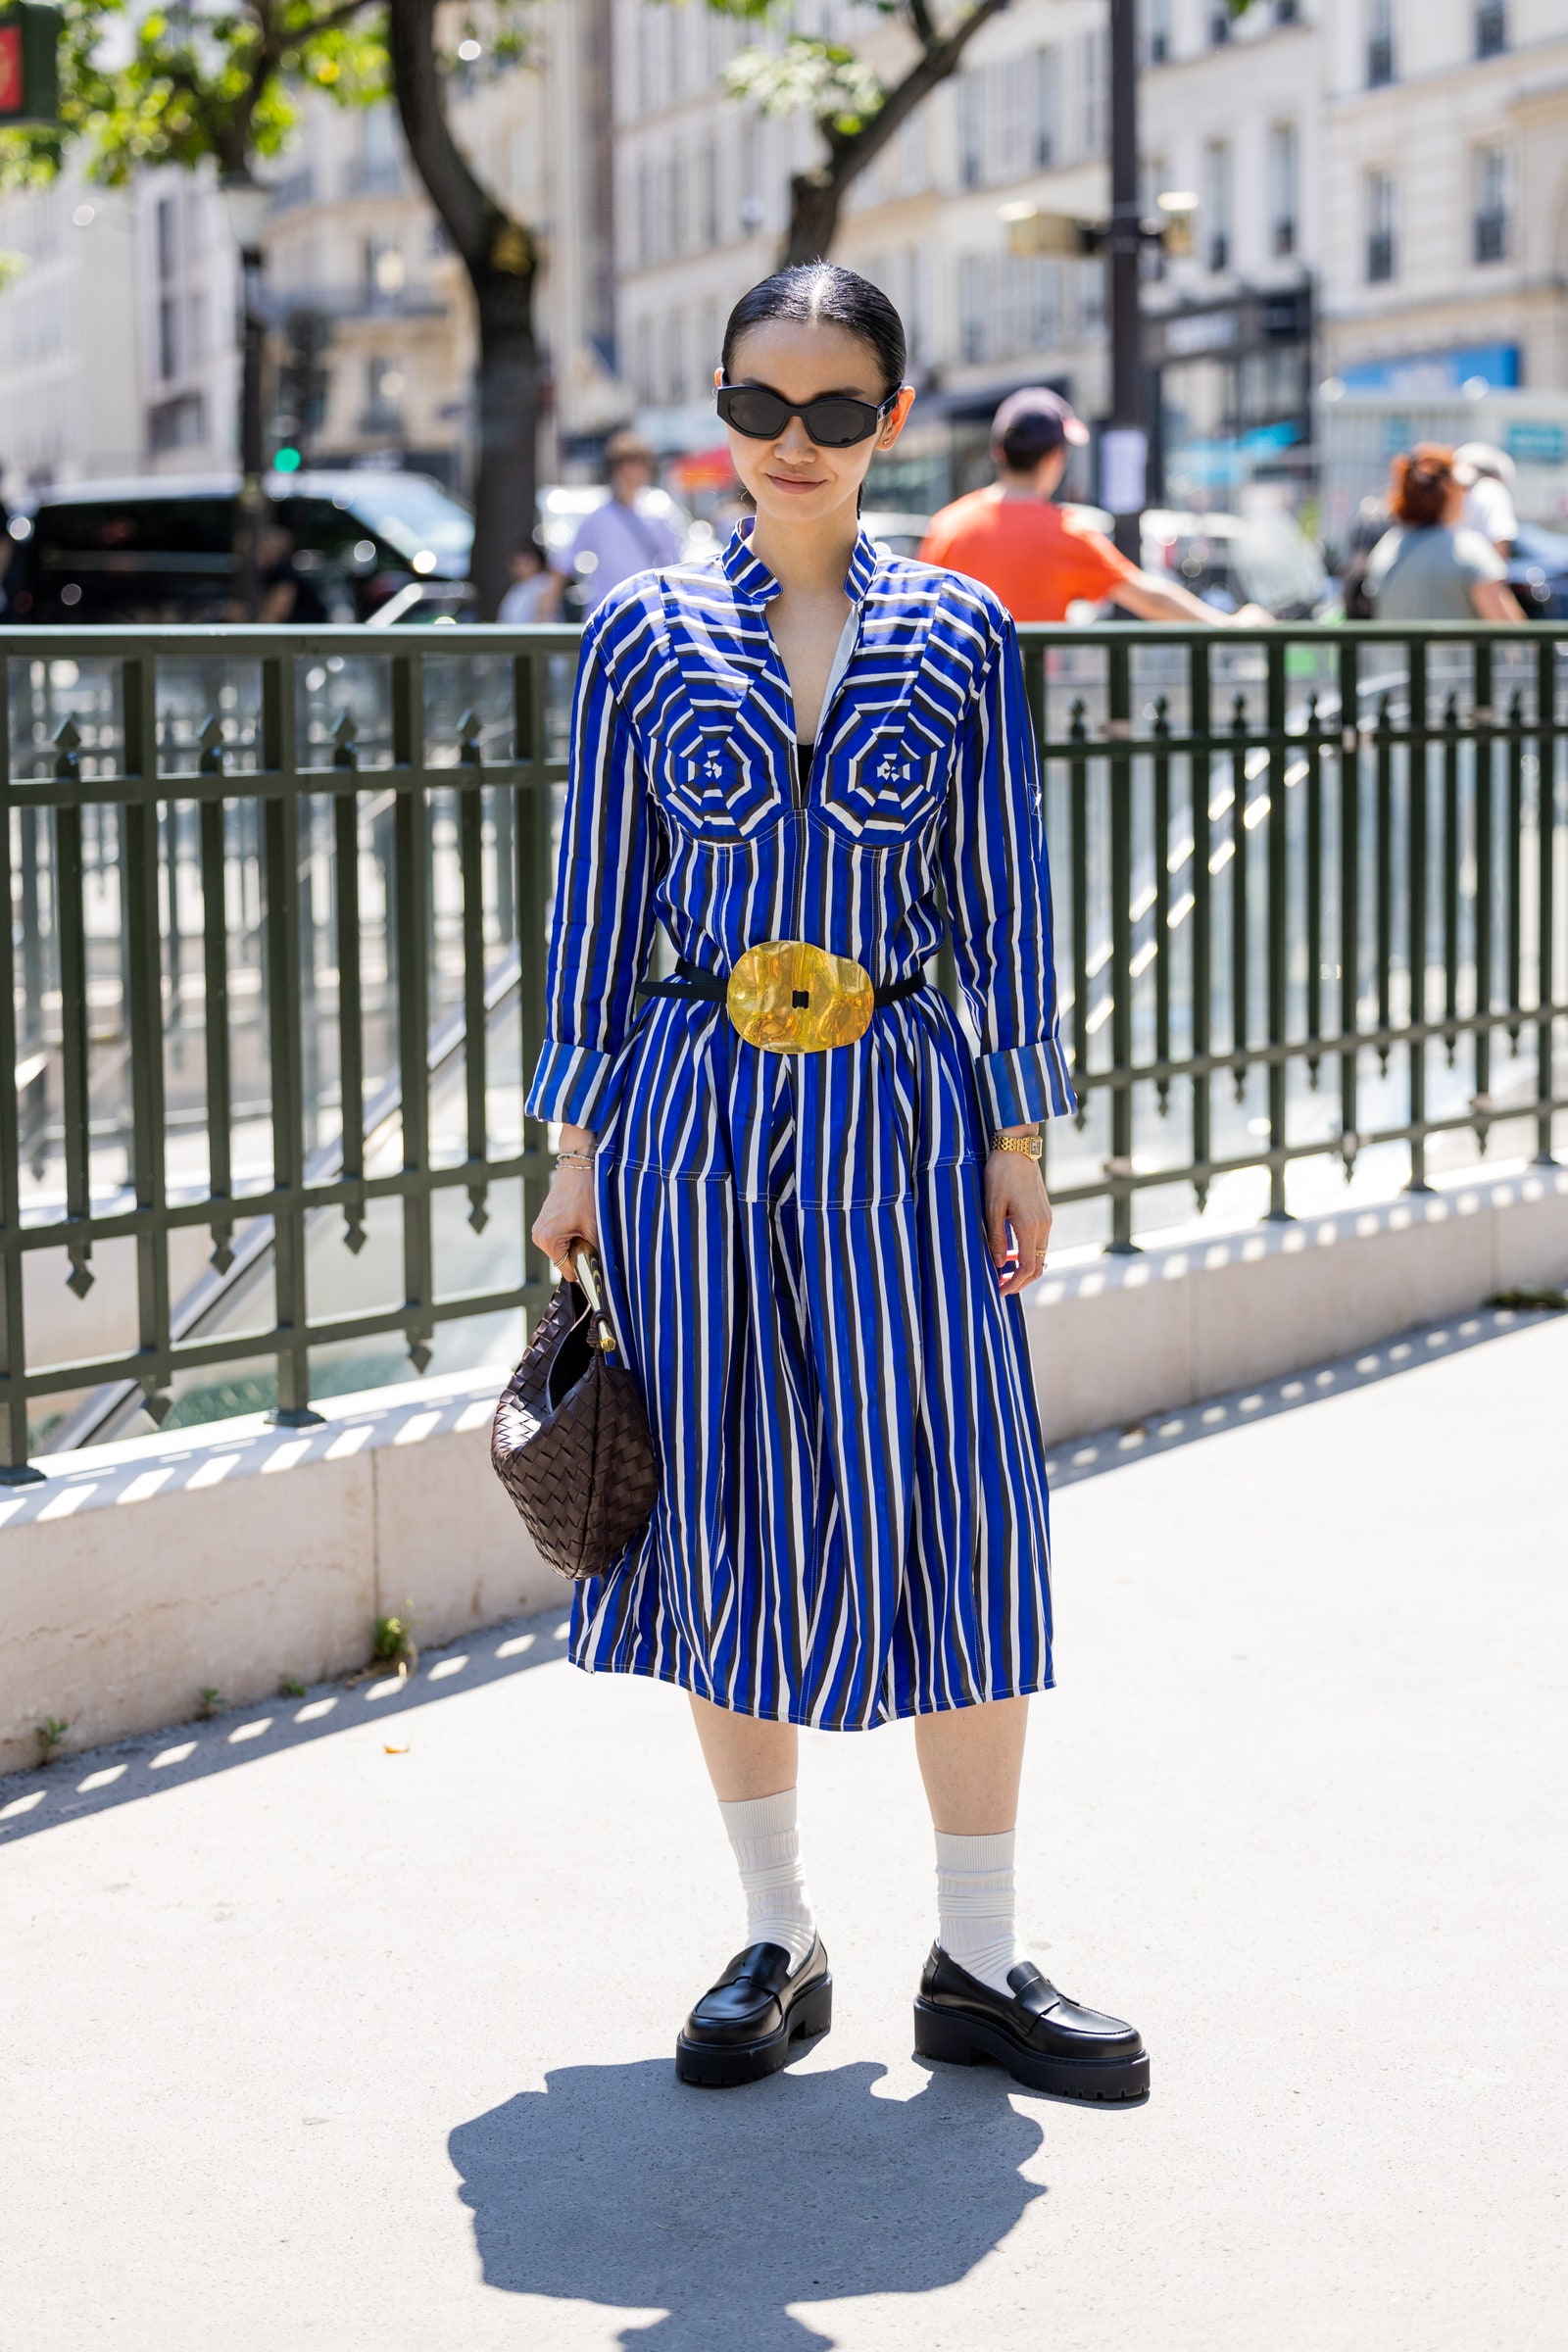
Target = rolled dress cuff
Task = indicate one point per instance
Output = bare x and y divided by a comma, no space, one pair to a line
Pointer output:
1025,1083
570,1084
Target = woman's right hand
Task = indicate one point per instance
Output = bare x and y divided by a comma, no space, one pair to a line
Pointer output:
568,1218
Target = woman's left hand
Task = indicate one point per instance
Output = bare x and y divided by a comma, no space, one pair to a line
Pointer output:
1016,1201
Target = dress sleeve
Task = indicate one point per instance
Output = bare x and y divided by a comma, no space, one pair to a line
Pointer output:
998,902
604,913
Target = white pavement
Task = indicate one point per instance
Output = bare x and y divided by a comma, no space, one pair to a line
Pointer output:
363,2050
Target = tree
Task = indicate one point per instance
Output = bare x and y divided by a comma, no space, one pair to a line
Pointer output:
221,80
855,112
501,258
195,83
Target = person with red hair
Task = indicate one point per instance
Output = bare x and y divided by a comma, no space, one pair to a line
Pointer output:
1428,565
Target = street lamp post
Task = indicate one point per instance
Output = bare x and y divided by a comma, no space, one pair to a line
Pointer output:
1124,442
247,206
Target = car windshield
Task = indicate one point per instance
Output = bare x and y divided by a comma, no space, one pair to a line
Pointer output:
411,514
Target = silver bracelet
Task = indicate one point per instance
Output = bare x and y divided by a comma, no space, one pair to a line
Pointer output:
574,1159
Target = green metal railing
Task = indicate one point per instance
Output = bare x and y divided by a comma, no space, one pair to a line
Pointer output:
275,982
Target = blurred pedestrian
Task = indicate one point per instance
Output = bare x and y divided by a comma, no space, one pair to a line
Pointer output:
1030,551
1371,521
1428,567
535,592
629,533
287,593
1488,502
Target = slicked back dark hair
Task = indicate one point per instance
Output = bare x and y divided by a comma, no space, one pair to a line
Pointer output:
824,293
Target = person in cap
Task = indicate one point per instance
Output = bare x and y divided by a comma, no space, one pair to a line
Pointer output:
1033,554
1489,495
630,532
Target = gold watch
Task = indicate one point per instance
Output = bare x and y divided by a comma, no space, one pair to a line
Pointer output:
1028,1147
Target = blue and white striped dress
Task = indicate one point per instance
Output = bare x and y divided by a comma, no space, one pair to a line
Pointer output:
852,1521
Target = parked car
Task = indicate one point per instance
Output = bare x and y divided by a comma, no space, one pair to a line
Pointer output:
1236,559
1538,572
139,551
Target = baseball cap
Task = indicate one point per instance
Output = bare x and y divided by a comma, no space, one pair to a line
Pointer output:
1482,457
1032,423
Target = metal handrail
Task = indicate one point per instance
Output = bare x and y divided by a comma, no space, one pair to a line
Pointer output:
1314,864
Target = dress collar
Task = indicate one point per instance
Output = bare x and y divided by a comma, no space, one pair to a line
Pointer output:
755,584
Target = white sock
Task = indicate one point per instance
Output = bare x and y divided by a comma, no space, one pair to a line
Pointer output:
764,1831
976,1905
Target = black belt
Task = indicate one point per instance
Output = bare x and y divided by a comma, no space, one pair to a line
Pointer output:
712,988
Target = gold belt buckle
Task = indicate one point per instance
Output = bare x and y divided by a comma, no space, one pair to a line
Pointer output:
791,997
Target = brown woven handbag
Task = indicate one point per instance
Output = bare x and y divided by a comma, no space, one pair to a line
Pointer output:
571,1441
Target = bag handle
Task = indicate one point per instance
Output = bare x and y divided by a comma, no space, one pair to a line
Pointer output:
590,1278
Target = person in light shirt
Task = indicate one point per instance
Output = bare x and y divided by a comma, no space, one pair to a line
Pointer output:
626,534
1489,499
535,592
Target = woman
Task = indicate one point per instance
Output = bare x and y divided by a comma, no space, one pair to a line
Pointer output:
806,1244
1428,567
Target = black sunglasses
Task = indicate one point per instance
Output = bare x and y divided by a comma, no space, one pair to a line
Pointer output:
833,423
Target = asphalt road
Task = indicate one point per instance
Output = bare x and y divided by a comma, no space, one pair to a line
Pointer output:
323,2044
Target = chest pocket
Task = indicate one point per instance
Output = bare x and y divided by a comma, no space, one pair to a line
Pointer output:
883,784
717,782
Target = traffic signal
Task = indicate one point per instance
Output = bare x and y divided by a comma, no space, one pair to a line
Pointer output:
30,78
303,382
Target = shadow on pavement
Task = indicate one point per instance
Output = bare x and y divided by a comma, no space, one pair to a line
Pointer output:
616,2184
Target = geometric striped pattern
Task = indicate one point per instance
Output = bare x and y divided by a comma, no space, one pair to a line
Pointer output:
853,1519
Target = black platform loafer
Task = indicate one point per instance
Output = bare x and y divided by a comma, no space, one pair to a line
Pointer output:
1040,2037
746,2025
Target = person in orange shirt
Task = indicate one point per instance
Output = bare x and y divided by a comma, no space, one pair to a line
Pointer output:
1037,557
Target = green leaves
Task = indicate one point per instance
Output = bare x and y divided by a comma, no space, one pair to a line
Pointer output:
823,78
195,82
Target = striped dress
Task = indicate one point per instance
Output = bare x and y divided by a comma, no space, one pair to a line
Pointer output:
851,1522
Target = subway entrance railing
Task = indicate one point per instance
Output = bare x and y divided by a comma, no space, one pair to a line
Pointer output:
279,901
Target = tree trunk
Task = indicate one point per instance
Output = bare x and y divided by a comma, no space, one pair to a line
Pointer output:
498,253
816,197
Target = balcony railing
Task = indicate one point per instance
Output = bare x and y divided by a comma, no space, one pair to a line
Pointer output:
275,969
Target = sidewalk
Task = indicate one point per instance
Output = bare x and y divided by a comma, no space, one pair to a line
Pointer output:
327,2045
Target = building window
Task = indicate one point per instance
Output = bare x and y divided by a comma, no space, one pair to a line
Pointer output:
1046,103
1161,42
1490,239
178,423
1096,69
1380,255
167,229
708,196
1379,43
642,372
377,172
1282,173
1287,11
1217,203
383,394
1491,27
679,236
675,357
385,273
1219,24
972,128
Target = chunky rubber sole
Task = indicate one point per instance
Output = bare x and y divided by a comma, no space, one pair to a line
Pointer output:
719,2067
969,2041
